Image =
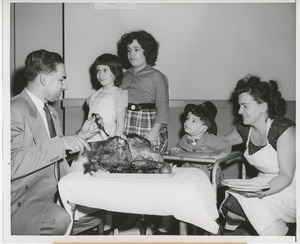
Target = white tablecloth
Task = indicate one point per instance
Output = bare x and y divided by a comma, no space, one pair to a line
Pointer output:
187,195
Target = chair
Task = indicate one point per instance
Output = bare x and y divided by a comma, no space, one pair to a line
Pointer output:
235,156
94,220
217,163
232,157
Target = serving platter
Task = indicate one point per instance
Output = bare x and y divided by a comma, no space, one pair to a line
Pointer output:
245,185
130,175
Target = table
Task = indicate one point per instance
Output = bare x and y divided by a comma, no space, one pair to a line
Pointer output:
203,158
187,195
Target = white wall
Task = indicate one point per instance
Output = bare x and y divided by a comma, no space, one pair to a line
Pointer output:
205,48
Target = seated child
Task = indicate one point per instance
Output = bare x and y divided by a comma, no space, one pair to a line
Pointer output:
200,134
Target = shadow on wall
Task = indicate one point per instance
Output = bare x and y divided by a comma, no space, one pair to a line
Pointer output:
74,118
94,81
182,120
18,82
235,107
85,108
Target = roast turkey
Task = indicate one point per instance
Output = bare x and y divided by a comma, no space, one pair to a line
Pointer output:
130,154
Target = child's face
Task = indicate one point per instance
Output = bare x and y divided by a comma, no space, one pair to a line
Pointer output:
193,125
135,55
105,76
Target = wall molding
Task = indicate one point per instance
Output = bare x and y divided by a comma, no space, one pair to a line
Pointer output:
173,103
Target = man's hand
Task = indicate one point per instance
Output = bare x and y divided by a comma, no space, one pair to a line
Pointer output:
75,144
89,127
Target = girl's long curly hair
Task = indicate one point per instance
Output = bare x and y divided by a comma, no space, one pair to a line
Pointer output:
263,91
147,42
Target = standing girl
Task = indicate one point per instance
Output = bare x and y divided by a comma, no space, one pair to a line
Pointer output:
148,93
148,109
109,101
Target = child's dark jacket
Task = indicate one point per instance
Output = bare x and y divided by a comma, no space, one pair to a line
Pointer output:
208,143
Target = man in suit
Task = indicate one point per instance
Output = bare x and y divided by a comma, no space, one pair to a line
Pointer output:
38,148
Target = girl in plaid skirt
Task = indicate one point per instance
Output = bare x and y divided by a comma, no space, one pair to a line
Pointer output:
147,113
148,92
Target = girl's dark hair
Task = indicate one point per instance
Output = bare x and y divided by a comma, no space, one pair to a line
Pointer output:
114,63
263,91
147,42
41,61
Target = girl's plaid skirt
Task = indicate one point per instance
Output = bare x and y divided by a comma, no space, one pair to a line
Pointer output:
141,122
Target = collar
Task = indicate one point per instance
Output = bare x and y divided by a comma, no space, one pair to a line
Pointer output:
37,102
197,138
148,66
193,140
110,91
40,108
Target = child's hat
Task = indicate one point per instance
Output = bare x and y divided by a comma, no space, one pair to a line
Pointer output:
209,110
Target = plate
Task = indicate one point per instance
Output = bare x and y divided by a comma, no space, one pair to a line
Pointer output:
245,185
130,175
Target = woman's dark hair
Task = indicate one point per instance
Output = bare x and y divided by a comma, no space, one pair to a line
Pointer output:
41,61
147,42
263,91
114,63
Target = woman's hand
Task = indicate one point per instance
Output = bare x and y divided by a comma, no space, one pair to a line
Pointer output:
259,194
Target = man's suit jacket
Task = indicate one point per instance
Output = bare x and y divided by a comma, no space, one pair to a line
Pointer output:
33,160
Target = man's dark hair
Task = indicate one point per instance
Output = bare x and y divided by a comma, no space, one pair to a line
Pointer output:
41,61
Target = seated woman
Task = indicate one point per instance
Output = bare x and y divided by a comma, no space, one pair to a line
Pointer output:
270,148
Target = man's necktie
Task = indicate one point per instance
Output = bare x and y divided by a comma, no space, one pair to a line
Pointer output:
52,133
50,122
189,141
